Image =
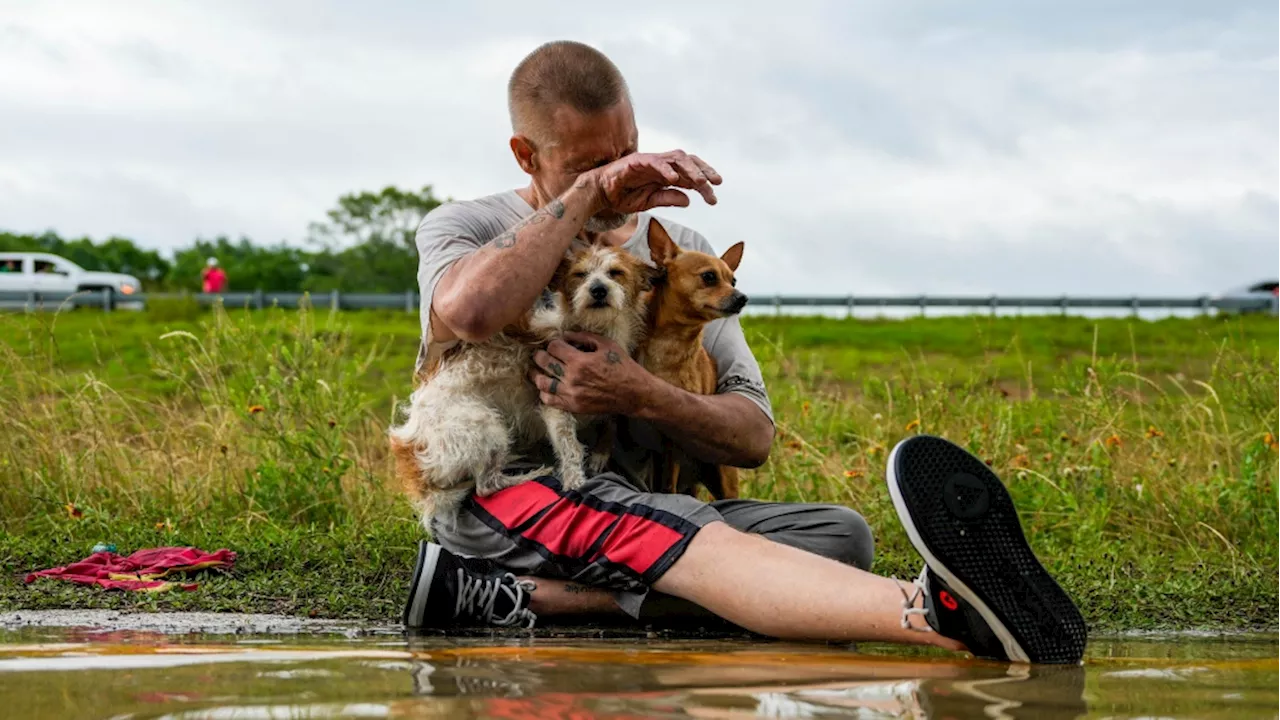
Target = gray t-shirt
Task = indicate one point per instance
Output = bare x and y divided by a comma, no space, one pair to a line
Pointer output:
456,229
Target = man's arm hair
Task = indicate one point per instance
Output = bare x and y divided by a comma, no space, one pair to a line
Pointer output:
725,429
488,289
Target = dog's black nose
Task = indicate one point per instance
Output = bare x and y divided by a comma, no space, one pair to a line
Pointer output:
599,291
737,301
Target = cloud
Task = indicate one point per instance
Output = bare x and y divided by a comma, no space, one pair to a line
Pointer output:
886,147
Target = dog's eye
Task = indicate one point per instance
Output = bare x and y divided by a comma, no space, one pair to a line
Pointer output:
733,282
709,278
616,273
578,275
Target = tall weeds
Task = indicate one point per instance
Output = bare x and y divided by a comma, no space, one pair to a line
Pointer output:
265,418
1102,458
262,419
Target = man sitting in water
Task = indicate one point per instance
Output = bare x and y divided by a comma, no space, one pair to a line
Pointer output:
788,570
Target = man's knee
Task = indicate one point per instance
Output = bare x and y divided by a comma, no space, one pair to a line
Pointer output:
858,546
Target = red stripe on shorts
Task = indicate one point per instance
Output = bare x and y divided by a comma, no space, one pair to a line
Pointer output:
638,542
570,529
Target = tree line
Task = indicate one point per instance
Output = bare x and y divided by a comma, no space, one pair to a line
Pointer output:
364,244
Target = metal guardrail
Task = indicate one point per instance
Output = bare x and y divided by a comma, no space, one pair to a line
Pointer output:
408,301
992,303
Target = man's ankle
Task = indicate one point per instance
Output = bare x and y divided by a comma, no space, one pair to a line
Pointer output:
918,621
560,597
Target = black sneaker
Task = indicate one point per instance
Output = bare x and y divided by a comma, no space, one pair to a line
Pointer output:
982,585
448,591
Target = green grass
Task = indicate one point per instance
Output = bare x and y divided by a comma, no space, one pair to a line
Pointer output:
1141,455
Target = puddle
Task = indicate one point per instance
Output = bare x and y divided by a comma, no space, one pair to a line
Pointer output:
48,672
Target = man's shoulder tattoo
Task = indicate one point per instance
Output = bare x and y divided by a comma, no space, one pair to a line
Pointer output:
735,382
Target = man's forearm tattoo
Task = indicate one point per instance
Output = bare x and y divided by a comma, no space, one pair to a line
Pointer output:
578,589
612,357
553,209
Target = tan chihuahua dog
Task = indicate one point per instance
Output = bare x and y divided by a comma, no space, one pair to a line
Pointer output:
691,290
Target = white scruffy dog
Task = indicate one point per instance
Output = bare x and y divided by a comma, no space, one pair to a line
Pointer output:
479,410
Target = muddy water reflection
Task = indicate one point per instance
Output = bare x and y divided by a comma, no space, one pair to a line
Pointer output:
51,673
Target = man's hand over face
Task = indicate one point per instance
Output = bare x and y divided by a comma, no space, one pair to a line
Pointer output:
642,181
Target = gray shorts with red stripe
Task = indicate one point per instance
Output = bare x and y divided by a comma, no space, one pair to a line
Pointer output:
612,535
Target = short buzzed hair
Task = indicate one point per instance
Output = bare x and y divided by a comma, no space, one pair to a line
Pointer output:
561,73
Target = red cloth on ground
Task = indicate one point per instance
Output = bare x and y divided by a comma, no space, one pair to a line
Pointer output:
141,570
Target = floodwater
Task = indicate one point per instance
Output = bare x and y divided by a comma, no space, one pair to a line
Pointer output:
113,673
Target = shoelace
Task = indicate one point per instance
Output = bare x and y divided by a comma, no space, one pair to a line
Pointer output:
477,595
909,602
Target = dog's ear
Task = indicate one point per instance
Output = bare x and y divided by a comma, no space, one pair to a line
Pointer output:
661,248
733,256
652,277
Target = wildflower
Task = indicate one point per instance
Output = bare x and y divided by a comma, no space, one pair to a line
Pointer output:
1047,457
804,409
987,461
324,469
1213,465
1064,437
255,409
853,473
1173,462
1152,432
1020,461
912,425
1113,441
1036,431
333,423
794,444
1270,441
74,512
877,416
1137,487
875,449
166,525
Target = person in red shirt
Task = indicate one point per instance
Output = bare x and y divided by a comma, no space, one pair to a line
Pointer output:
214,277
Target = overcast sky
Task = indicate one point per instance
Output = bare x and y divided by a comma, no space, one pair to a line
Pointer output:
1009,146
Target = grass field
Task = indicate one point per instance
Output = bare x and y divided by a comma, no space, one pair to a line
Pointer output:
1142,455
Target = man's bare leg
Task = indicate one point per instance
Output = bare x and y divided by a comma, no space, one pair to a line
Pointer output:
982,589
783,592
806,596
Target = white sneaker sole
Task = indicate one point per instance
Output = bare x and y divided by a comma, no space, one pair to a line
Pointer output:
423,571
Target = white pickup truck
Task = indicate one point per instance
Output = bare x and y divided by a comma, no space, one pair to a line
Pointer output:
27,272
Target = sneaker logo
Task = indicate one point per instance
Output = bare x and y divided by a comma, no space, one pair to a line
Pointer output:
948,602
966,496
